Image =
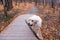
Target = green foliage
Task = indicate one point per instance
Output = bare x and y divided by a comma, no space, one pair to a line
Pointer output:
9,17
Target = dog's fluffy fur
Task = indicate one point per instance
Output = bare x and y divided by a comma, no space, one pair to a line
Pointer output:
35,21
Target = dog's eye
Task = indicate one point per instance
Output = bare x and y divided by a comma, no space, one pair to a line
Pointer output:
32,20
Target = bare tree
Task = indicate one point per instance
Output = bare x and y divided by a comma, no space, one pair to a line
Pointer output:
52,4
7,5
21,1
30,1
10,6
35,2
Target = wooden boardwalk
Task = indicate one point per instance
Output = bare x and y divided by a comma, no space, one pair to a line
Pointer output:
18,30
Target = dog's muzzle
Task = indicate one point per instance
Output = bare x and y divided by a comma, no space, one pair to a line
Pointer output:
30,24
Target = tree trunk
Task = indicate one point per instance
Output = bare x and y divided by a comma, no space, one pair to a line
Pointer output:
5,7
35,2
5,11
30,1
53,6
9,6
21,1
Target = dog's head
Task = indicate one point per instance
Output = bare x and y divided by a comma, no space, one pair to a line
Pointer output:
31,22
34,20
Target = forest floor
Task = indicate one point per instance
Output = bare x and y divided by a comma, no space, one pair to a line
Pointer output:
51,23
18,9
51,19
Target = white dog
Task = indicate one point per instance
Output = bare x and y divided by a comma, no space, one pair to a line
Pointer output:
35,21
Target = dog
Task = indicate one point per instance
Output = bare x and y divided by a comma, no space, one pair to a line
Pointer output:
32,21
35,20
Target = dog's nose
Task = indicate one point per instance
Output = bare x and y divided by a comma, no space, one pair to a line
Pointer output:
30,24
